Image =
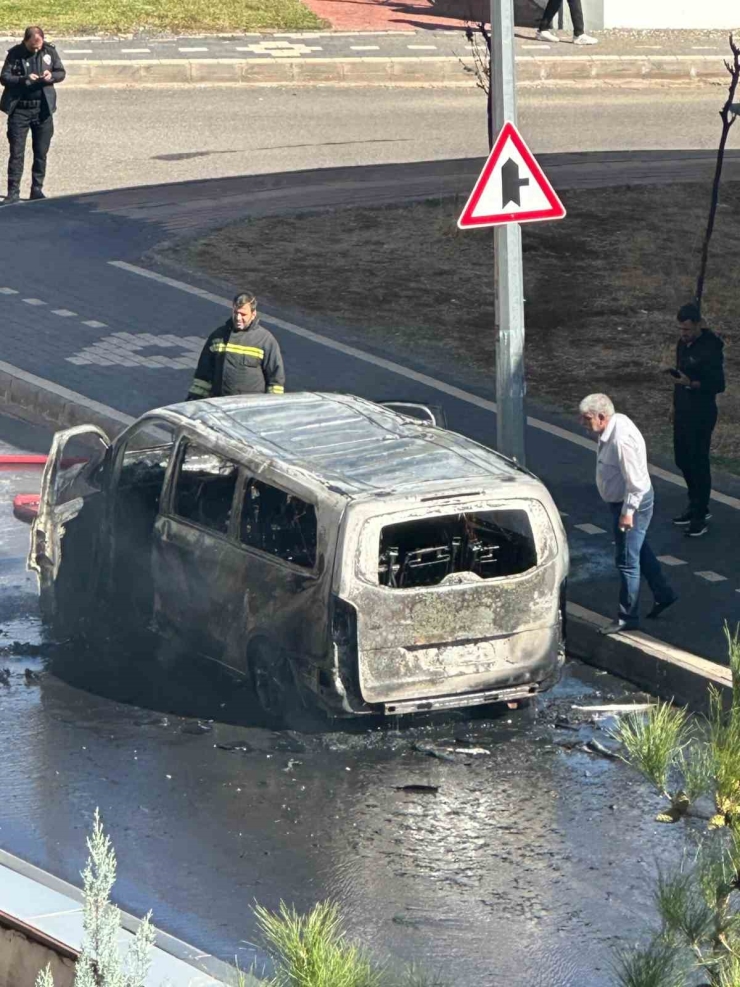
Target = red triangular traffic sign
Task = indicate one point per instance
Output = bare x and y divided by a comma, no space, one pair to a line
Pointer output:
512,188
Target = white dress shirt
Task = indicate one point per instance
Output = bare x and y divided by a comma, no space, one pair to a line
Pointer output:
621,464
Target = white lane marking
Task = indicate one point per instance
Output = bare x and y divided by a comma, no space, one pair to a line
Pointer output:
535,46
77,51
192,49
422,47
64,312
650,47
705,47
94,324
364,47
33,301
711,577
8,291
136,51
671,560
591,529
396,368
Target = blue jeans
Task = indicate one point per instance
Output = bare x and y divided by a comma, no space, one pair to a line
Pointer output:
635,557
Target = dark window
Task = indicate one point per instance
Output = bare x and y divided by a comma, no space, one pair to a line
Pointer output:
426,551
205,488
278,523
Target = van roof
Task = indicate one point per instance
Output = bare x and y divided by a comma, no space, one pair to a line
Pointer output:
352,445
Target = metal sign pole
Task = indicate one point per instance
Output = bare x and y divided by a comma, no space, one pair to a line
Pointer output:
510,419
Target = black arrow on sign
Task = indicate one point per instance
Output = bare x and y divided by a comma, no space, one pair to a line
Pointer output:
511,183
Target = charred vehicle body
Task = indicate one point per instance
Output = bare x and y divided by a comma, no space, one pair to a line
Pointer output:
321,544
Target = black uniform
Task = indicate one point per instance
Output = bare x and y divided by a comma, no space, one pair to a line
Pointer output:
30,105
695,415
239,362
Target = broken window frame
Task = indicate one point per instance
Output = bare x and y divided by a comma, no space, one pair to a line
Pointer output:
250,476
545,541
184,442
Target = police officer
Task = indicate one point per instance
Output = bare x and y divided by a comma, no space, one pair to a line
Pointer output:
698,379
240,357
28,76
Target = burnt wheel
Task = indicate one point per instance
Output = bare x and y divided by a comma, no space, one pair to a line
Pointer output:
279,697
272,681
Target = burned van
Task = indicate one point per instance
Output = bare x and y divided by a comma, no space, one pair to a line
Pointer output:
325,546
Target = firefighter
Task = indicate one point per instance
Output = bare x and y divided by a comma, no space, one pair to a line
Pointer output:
240,357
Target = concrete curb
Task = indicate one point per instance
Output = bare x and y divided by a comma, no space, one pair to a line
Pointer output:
201,969
412,70
56,405
653,665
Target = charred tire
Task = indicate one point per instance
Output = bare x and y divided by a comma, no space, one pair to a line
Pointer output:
272,681
278,695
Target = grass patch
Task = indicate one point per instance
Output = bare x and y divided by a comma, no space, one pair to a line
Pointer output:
602,290
131,16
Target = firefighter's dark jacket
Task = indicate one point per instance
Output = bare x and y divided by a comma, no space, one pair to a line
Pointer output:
255,347
17,85
701,360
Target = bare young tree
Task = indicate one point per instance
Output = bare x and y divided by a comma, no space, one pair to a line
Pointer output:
728,116
479,36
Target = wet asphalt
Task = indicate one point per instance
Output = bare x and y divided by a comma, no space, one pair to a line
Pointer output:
524,863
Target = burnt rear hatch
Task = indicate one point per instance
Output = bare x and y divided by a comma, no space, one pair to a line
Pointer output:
457,601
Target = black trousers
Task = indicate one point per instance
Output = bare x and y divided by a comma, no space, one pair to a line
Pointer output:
692,438
40,122
553,9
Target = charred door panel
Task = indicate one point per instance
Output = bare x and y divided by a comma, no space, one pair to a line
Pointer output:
64,535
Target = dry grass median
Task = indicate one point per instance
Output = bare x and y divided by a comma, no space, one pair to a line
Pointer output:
602,290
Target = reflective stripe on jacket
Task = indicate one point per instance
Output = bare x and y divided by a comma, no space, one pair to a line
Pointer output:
233,362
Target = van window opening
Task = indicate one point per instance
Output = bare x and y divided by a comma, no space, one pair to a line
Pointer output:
424,552
205,488
279,524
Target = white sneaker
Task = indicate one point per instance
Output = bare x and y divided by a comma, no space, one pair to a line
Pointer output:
585,39
548,36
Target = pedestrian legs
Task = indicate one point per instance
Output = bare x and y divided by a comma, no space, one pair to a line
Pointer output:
42,131
692,439
19,123
634,557
553,9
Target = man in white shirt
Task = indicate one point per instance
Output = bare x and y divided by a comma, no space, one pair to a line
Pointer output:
624,484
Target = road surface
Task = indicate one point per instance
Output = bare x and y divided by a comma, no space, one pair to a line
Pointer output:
110,138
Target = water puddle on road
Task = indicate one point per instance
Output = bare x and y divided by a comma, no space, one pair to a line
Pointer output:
498,847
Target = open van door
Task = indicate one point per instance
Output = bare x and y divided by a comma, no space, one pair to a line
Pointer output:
70,513
432,414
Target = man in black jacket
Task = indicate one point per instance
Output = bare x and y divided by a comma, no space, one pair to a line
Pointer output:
28,76
699,378
240,357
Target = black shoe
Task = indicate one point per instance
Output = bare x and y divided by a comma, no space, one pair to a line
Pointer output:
36,193
686,518
658,608
697,529
13,196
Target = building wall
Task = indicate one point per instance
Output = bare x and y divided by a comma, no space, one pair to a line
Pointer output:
672,14
640,14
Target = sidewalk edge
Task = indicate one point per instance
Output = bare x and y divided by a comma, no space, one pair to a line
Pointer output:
382,70
57,405
653,665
